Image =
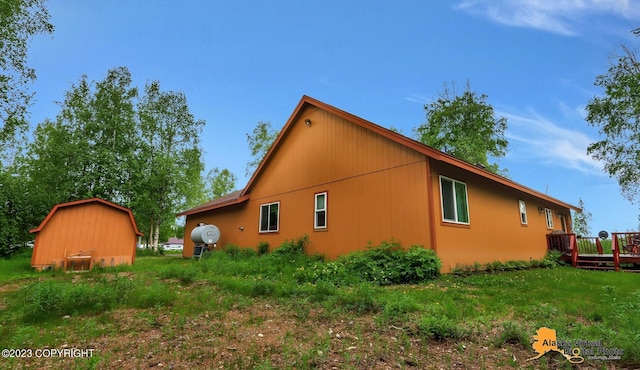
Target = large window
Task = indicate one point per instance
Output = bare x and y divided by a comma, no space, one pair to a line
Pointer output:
455,207
523,212
269,216
320,214
549,216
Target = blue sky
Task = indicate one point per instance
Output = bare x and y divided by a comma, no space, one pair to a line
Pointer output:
240,62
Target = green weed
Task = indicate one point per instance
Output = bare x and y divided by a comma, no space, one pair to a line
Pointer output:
185,274
263,248
441,328
292,248
513,333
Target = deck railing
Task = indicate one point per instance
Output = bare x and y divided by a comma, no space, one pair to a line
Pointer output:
626,243
589,244
588,251
564,243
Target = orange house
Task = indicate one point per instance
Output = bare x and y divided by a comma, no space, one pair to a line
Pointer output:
85,233
347,183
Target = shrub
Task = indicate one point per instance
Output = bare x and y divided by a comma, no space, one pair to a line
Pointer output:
292,247
389,264
552,259
263,248
549,261
419,264
231,250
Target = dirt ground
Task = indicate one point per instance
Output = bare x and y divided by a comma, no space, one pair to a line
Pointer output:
266,336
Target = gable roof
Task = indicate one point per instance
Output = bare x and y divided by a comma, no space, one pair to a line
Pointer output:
417,146
86,201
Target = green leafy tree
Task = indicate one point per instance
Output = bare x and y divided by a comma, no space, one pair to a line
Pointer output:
617,115
107,142
466,127
259,141
18,211
581,220
90,149
20,21
219,182
170,158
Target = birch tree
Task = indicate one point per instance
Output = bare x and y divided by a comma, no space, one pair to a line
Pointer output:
466,127
219,182
617,115
169,157
259,141
20,21
89,150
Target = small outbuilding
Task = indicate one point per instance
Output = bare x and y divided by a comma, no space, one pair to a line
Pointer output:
81,234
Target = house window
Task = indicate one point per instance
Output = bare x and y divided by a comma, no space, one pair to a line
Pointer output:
549,216
320,216
454,201
523,212
269,216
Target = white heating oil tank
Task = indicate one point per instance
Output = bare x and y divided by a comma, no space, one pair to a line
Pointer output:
207,234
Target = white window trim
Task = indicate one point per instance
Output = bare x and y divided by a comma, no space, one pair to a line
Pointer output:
277,222
455,206
522,207
316,210
548,215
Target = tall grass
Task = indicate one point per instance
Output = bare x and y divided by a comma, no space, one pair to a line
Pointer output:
16,266
50,299
506,307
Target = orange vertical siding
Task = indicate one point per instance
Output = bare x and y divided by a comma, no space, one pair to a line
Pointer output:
495,232
376,190
380,186
93,225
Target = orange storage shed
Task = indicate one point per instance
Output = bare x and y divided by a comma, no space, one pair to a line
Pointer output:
81,234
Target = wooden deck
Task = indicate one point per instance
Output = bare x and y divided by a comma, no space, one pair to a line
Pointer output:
588,253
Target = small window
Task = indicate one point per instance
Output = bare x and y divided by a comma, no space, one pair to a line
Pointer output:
320,217
453,194
549,216
269,216
523,212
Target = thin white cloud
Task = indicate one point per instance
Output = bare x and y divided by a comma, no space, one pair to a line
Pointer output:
558,16
579,111
416,98
537,137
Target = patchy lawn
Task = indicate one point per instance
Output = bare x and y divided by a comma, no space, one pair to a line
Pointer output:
241,313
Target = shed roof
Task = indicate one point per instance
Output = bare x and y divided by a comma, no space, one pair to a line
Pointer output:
223,201
86,201
306,101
